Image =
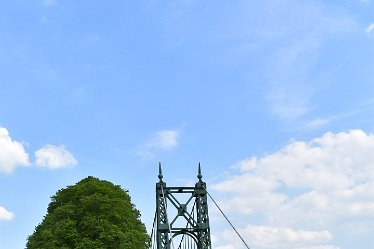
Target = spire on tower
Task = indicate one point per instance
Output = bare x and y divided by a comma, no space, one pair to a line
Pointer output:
160,176
199,175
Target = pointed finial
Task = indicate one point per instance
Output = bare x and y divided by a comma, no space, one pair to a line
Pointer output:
199,173
160,176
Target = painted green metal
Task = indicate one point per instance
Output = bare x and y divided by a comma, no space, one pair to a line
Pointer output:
197,222
162,221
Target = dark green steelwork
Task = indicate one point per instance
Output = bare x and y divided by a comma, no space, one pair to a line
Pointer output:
197,222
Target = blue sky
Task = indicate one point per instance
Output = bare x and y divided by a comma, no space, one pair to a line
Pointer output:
274,98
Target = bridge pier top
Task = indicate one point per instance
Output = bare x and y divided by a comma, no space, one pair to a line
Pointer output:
196,230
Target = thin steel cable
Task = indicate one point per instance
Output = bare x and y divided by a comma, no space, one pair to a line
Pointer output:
155,235
167,219
153,230
226,218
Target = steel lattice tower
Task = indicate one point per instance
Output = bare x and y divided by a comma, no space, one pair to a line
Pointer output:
197,228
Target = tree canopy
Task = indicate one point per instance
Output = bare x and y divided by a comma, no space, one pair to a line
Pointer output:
91,214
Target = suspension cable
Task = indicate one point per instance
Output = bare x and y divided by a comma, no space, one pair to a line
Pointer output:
226,218
166,214
153,229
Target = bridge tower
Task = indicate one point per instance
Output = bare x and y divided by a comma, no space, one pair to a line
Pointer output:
197,230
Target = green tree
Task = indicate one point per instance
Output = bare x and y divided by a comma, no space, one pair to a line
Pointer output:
91,214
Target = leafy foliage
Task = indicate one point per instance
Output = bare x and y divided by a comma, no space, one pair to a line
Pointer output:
91,214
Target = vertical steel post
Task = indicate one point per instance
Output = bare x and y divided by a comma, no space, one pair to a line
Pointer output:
161,212
203,231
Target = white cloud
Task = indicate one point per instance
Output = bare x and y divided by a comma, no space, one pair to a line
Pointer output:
370,30
276,237
5,214
331,162
12,153
164,140
246,182
54,157
320,247
325,182
284,237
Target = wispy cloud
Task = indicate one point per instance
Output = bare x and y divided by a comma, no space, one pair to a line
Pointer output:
326,181
300,47
160,141
5,214
287,104
289,91
12,153
366,109
317,123
54,157
164,140
49,2
370,30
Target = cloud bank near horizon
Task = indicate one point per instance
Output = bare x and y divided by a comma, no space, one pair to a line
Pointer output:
314,186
